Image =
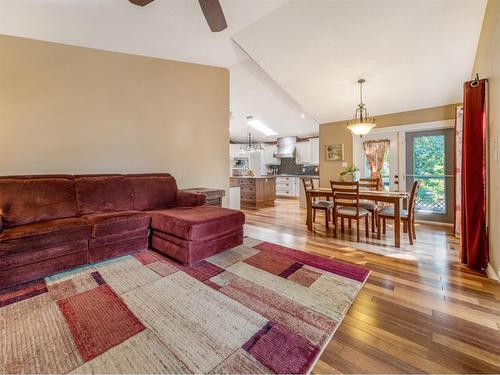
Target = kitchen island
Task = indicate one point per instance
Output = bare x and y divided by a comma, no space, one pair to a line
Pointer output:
256,191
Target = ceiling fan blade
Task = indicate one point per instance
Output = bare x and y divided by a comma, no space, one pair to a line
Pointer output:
141,3
213,14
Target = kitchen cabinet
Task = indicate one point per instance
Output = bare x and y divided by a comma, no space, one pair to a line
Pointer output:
287,186
307,152
303,152
268,155
234,149
256,192
314,142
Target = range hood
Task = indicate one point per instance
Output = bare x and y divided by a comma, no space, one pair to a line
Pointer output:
285,147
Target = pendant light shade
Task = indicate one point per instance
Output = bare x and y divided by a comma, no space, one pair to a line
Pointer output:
361,128
361,124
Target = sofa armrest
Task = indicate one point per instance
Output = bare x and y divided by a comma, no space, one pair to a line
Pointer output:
188,199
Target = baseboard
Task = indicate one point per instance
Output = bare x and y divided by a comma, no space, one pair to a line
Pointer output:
491,272
435,223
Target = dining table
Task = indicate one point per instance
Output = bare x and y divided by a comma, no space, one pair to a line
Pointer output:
399,199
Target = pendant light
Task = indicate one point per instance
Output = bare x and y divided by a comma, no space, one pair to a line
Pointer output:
251,145
361,124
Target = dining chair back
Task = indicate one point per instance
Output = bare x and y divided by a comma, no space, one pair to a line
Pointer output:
369,183
317,204
407,216
308,183
413,198
345,193
346,205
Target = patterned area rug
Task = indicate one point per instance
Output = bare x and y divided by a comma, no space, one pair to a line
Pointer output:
257,308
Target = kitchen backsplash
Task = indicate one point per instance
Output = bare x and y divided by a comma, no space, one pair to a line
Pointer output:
288,166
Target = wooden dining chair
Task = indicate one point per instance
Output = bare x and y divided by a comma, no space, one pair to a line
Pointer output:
407,216
346,205
371,206
317,204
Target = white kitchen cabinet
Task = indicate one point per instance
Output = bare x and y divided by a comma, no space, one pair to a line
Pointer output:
234,149
269,158
307,152
287,186
314,143
303,152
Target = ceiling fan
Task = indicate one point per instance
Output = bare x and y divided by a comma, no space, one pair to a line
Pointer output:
211,10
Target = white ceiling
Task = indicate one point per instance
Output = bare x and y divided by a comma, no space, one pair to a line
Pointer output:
171,29
413,53
254,93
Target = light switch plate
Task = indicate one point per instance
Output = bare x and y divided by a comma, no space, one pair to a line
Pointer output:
344,164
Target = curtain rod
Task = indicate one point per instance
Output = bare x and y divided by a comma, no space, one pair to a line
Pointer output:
475,81
377,141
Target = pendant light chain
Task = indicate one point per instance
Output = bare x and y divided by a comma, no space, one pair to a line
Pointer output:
361,123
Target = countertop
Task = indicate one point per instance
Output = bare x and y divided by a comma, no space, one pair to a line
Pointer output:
297,175
255,177
208,192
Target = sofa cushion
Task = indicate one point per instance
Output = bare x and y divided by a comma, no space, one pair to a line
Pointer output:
23,267
189,199
97,193
36,236
109,223
197,223
152,192
117,244
31,199
118,237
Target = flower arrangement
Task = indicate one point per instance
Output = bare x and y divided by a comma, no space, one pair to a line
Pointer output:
350,174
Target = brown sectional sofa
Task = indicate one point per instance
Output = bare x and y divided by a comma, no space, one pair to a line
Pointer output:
51,223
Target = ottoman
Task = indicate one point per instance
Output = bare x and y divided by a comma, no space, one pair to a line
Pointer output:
191,234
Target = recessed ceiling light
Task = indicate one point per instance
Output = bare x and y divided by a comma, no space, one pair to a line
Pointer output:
300,131
302,115
260,126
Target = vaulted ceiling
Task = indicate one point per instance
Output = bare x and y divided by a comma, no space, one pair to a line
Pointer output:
306,55
413,53
170,29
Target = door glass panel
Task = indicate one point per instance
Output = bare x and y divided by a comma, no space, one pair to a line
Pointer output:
429,160
385,172
429,169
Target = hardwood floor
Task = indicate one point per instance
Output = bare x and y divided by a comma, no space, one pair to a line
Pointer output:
420,311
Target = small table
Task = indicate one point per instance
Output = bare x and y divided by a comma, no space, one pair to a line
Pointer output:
214,196
392,197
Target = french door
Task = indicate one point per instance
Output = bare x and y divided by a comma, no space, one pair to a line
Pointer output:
430,160
389,172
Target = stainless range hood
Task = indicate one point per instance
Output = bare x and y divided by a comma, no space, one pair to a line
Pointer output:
285,147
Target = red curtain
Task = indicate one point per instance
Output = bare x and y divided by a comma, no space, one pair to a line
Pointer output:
474,237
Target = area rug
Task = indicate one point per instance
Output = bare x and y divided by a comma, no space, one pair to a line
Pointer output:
257,308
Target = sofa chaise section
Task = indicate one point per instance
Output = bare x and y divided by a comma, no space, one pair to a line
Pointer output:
190,234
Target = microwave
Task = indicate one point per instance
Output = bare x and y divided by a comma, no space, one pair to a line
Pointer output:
241,162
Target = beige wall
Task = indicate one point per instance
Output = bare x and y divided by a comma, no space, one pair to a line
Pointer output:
66,109
487,64
337,132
